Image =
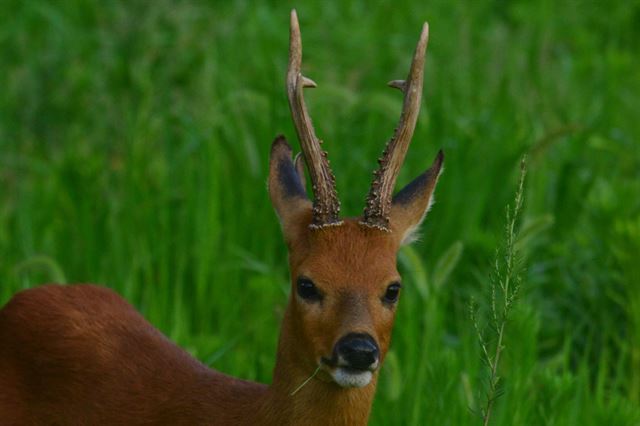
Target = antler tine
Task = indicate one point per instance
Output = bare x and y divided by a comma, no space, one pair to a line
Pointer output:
326,206
378,205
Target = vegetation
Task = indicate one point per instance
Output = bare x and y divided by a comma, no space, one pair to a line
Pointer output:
133,152
506,280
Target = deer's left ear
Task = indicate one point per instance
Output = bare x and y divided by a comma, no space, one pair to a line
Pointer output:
411,204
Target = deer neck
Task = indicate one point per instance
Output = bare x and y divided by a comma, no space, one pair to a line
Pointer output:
320,401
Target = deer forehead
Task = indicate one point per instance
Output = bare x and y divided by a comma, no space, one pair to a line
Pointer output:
346,255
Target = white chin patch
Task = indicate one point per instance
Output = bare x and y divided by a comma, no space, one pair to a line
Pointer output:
351,379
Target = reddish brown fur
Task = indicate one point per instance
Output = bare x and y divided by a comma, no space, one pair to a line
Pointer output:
82,355
353,264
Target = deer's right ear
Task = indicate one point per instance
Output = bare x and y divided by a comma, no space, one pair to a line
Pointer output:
411,204
286,186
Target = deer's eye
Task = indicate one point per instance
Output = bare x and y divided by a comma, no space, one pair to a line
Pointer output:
392,293
308,290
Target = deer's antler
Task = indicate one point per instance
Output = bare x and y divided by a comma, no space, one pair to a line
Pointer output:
326,206
378,205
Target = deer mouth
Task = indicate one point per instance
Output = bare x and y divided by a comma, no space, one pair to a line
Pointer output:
346,375
351,378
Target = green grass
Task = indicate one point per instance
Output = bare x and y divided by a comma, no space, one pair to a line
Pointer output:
133,152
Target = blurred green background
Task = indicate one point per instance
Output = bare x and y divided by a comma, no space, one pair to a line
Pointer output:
133,153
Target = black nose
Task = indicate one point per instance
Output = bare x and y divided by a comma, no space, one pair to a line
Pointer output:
359,351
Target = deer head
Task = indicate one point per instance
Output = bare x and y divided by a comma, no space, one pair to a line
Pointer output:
345,284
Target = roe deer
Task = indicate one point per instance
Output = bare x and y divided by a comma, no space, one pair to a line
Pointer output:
82,355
